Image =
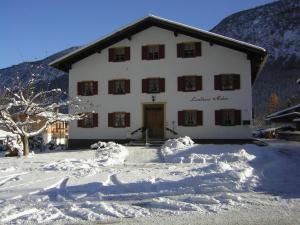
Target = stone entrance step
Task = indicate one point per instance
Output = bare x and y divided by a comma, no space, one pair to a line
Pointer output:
152,142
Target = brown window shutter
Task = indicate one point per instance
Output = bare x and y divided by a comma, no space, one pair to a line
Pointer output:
127,119
218,82
95,119
180,118
144,52
110,119
162,84
95,87
237,81
111,87
198,48
145,86
79,88
127,86
237,117
80,123
180,83
218,117
179,50
111,55
161,51
198,82
127,53
199,118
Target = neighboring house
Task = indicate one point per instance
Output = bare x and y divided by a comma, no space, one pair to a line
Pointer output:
165,76
287,117
57,132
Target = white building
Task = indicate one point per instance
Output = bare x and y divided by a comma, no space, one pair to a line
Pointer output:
170,78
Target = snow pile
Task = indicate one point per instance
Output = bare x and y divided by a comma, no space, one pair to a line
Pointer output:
173,146
76,167
110,153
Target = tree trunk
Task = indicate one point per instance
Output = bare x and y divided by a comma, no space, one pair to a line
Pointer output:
25,145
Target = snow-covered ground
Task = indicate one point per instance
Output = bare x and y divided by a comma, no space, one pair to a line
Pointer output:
184,183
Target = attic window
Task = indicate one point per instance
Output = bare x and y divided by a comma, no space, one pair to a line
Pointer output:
119,54
188,49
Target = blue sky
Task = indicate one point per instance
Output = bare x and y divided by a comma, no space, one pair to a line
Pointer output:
34,29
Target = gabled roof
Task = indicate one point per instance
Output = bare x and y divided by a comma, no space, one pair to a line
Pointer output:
256,54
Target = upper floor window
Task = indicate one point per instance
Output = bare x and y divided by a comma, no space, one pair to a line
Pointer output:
188,49
119,119
118,87
119,54
153,52
228,117
189,83
190,118
227,82
90,120
153,85
87,88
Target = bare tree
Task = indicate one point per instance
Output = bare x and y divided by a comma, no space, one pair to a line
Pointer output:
27,111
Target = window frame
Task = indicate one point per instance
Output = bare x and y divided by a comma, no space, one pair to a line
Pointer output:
90,116
115,92
157,81
82,86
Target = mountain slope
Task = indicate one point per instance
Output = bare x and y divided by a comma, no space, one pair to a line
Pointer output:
48,77
276,27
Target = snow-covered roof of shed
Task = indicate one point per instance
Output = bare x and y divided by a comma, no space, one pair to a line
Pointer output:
4,134
254,52
283,111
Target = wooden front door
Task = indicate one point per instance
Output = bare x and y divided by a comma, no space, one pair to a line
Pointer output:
154,120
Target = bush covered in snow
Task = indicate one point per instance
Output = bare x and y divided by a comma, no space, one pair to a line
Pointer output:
109,153
172,146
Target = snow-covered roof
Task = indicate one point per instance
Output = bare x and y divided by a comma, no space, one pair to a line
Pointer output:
64,63
60,116
291,114
4,134
283,110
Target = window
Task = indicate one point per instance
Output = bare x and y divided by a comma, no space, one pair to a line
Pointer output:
119,54
188,49
189,83
227,82
87,88
190,118
228,117
90,120
119,119
153,52
153,85
118,87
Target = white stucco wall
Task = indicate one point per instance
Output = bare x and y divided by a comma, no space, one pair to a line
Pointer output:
214,60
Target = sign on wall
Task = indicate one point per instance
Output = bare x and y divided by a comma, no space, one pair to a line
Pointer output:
208,99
